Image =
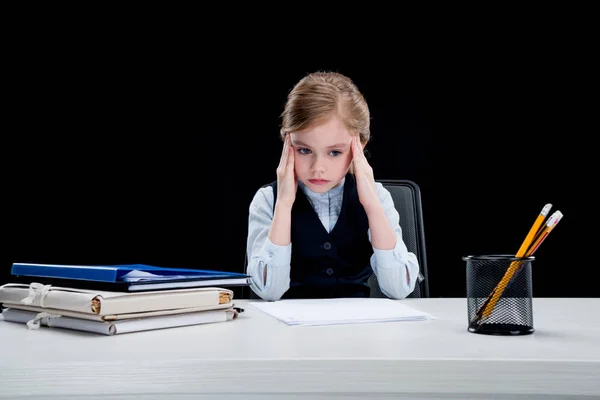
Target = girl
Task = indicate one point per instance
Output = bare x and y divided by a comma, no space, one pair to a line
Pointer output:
326,239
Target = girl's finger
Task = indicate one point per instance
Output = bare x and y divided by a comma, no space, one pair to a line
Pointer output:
284,152
358,153
290,158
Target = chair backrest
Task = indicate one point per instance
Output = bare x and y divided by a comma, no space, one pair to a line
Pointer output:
406,195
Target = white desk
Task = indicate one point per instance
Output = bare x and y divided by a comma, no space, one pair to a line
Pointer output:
258,357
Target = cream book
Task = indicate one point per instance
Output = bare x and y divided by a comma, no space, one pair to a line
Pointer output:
114,317
34,320
112,303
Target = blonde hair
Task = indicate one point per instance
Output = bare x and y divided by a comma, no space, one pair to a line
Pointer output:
321,95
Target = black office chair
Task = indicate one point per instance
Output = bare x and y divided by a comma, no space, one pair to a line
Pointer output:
406,195
407,199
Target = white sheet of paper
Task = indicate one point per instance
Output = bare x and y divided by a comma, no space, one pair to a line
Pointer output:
136,276
339,311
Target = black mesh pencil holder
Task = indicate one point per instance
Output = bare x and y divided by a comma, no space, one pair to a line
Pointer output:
499,294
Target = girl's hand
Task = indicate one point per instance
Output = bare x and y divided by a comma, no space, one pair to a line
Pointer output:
286,176
365,182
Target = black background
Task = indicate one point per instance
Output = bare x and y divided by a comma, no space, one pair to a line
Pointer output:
138,149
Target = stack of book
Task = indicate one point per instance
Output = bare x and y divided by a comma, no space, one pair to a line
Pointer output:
142,297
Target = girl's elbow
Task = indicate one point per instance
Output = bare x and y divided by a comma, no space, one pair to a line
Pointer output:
399,292
271,296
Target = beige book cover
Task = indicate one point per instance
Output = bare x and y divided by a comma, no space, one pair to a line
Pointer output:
34,320
115,317
111,303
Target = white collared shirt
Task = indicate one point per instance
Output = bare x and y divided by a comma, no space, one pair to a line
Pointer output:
396,269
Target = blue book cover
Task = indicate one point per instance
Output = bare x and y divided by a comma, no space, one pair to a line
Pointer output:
131,273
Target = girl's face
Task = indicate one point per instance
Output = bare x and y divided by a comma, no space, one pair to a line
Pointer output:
322,154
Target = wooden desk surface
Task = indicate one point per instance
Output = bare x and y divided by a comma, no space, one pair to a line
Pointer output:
257,356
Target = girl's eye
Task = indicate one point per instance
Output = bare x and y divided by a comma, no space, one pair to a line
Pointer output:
305,151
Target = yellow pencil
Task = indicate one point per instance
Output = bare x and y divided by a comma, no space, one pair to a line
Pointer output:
552,222
520,253
534,230
523,252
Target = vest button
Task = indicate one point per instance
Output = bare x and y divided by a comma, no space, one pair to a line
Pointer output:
329,271
327,246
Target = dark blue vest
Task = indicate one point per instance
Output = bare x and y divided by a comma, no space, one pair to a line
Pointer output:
328,265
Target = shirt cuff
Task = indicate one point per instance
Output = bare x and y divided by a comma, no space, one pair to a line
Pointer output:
393,258
275,255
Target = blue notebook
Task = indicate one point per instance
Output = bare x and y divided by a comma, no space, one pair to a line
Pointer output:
125,277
